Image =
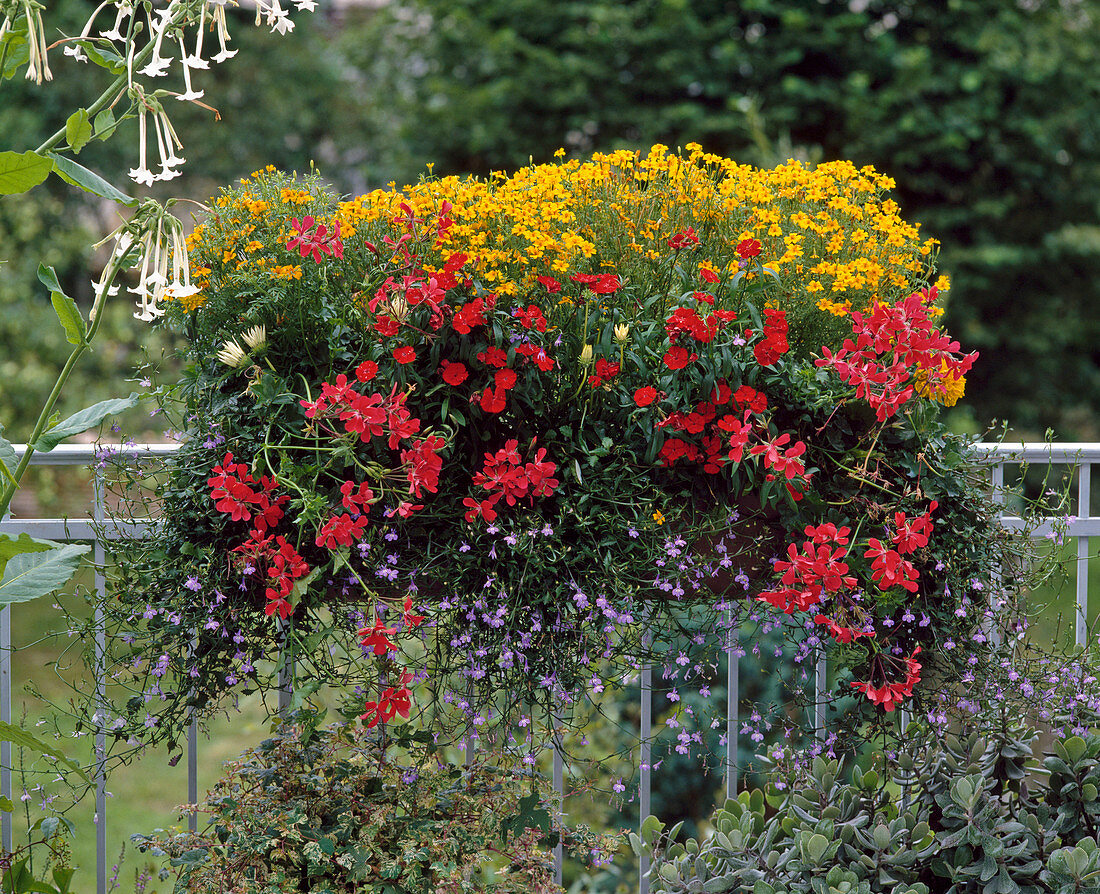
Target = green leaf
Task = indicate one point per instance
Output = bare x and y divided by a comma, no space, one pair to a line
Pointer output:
8,459
32,574
10,547
6,804
105,124
104,58
22,739
22,171
18,55
89,181
64,306
82,421
78,130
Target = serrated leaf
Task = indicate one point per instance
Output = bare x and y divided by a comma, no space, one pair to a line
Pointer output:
22,171
21,738
89,181
78,130
30,575
82,421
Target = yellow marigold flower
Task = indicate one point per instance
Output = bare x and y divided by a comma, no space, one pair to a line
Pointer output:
290,271
943,284
947,390
659,517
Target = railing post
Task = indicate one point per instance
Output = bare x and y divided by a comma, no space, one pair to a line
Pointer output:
733,700
559,790
645,771
1084,510
101,697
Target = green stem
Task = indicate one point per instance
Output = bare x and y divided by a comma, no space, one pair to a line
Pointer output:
107,98
47,410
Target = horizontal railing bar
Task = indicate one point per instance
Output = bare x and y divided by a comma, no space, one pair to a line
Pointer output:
1033,451
72,528
1039,451
77,454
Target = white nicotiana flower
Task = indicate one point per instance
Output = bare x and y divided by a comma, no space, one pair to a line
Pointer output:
123,12
180,286
157,66
255,338
232,355
141,174
190,92
38,66
223,31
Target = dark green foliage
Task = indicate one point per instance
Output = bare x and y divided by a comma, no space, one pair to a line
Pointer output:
955,815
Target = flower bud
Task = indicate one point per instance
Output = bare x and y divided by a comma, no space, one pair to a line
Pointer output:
622,333
587,355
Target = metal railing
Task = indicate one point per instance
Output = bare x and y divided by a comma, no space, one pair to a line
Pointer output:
1081,528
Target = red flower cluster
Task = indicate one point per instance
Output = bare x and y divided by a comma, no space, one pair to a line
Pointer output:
814,572
749,248
598,283
890,695
774,343
888,567
505,476
319,242
892,344
231,489
683,239
713,429
393,701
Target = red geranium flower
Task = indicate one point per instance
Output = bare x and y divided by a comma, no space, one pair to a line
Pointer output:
404,354
366,370
644,396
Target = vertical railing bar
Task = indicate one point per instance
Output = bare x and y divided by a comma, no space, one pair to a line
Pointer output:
733,701
193,758
991,626
559,791
1084,497
6,836
101,695
820,688
645,771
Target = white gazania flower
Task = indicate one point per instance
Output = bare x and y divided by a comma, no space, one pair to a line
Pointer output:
232,355
255,338
622,333
587,353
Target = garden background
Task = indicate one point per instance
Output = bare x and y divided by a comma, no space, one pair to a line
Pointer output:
984,112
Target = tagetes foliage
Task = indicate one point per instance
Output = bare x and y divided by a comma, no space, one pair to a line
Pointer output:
561,415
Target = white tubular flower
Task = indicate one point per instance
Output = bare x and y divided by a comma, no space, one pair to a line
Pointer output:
180,286
232,355
255,338
190,93
122,13
167,143
38,66
195,60
218,21
274,15
141,174
157,66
